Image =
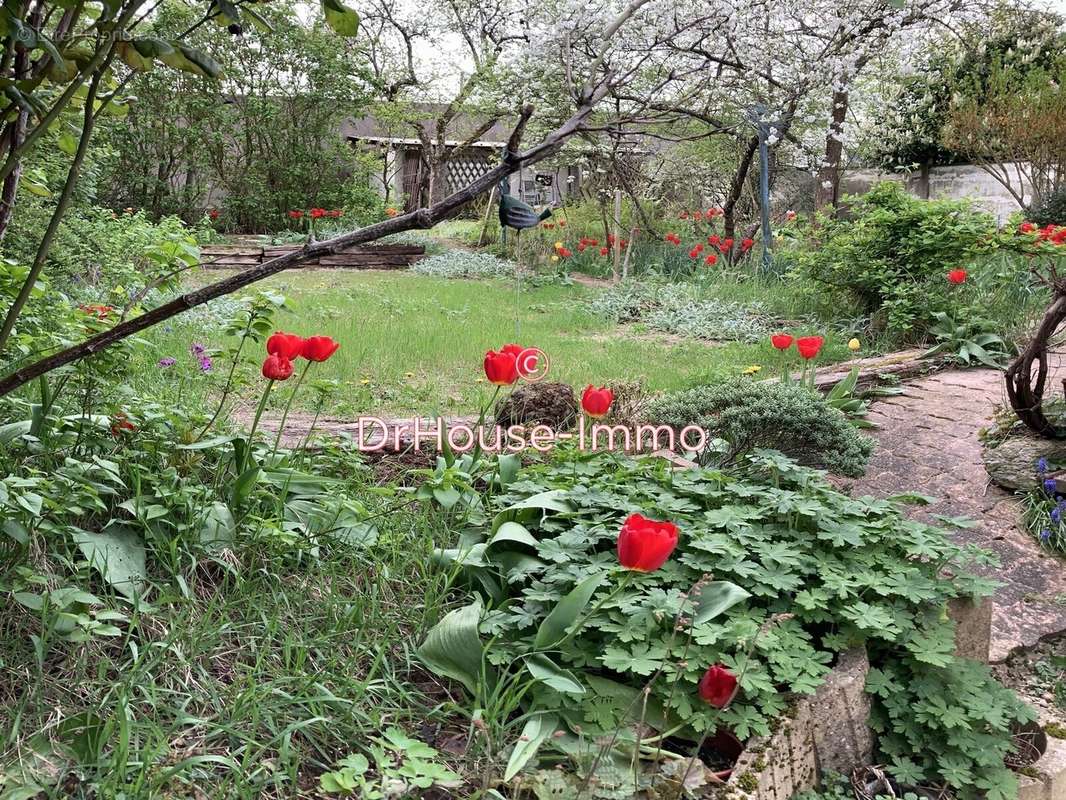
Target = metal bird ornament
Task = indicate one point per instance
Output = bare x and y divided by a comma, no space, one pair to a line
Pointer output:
515,214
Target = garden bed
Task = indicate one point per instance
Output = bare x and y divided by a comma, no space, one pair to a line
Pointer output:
379,256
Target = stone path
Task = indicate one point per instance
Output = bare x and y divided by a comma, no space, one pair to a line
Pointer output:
928,443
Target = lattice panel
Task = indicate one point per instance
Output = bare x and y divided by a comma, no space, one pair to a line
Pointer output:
466,169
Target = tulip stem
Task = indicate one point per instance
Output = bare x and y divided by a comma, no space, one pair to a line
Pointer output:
481,422
288,405
255,424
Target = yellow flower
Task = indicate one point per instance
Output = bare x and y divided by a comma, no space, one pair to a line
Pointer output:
479,380
555,258
364,381
752,369
558,245
854,345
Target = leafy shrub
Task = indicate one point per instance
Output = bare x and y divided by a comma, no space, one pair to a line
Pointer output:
951,726
464,264
824,573
780,416
1052,211
891,252
100,256
682,308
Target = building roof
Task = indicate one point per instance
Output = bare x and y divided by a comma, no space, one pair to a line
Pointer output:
370,129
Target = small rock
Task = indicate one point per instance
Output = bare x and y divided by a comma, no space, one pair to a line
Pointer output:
1012,462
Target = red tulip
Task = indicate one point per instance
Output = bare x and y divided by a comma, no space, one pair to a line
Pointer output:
597,402
718,686
694,253
525,366
286,345
213,213
119,423
1026,227
564,252
790,215
645,544
562,223
604,251
956,276
727,244
501,368
296,214
711,260
746,244
715,239
809,346
277,368
318,348
581,247
782,341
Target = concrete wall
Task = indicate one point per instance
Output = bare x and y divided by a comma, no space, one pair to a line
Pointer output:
953,183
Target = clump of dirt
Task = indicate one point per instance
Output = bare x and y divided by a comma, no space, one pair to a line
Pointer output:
551,404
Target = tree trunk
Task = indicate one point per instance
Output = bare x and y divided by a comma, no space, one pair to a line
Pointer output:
740,177
827,193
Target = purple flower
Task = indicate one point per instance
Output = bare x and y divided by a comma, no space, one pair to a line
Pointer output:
166,362
1056,515
1051,486
1045,535
197,349
1041,466
205,364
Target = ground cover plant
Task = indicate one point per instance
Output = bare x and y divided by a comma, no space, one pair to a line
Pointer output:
567,630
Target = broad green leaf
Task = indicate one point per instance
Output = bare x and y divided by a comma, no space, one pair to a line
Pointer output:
206,444
188,59
117,553
68,143
566,612
508,464
510,534
716,598
133,57
532,507
342,19
453,647
551,674
218,527
536,730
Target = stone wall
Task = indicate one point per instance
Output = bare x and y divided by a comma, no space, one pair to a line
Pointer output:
953,183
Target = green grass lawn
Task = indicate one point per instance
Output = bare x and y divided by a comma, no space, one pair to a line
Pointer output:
412,343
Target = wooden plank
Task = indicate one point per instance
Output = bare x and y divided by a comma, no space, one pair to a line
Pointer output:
215,250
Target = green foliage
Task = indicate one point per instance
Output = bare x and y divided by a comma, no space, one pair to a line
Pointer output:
271,143
783,416
1052,210
402,765
952,726
103,257
966,342
464,264
892,253
682,308
822,572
